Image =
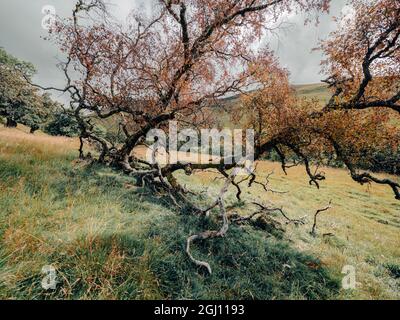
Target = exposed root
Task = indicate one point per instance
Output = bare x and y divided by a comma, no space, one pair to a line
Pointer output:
208,235
224,189
236,185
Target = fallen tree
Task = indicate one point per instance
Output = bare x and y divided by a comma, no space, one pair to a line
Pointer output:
177,63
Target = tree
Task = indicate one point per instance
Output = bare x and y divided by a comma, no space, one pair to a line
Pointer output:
172,65
62,124
357,123
363,57
19,101
178,63
363,63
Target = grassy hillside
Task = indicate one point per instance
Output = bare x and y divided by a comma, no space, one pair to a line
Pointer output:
110,240
318,91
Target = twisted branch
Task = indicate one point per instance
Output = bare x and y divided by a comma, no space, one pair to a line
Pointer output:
313,231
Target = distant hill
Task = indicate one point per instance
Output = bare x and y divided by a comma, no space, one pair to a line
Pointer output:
319,91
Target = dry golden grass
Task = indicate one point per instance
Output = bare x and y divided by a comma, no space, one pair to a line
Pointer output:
164,158
39,143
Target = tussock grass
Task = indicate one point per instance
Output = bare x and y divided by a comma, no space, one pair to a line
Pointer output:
110,240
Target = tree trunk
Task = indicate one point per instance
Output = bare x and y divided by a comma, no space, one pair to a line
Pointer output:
11,123
34,129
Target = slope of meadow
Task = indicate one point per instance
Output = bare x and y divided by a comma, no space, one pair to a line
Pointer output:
317,91
111,240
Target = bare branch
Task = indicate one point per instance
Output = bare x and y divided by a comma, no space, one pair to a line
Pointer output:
314,228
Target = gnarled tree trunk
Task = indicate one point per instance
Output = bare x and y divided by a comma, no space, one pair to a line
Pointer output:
34,129
11,123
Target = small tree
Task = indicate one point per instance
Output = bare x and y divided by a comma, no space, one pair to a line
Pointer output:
62,124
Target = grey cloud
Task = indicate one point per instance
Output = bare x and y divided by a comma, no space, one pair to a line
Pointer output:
294,45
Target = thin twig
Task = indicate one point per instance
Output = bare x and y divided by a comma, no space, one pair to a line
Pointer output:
313,231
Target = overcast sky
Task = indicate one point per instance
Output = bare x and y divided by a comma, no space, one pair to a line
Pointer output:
21,31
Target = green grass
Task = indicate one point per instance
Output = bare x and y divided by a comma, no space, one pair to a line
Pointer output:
394,269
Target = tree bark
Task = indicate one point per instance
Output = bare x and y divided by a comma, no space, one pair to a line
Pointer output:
34,129
11,123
